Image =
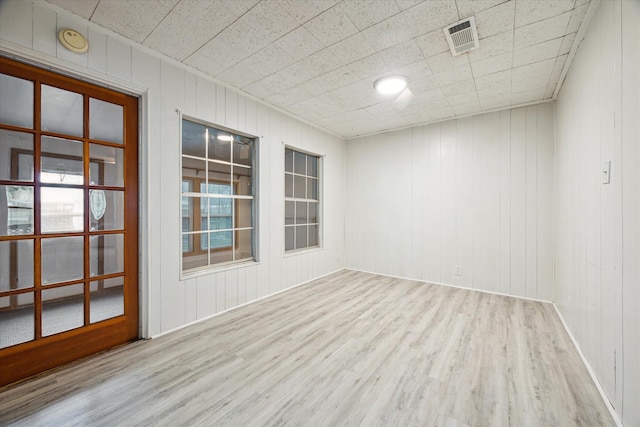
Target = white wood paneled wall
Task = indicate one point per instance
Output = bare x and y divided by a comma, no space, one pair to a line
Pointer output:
32,29
473,192
597,233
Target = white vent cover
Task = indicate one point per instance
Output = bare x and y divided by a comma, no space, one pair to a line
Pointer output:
462,36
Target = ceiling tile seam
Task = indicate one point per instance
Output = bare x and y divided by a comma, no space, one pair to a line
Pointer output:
220,32
326,47
446,119
573,8
159,23
94,10
299,60
333,70
156,54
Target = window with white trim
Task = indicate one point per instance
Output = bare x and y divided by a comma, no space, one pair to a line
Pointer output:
217,196
302,200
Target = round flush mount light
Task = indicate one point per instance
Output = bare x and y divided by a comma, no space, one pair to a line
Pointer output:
73,40
390,85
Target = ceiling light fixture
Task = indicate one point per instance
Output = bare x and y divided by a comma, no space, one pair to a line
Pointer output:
227,138
390,85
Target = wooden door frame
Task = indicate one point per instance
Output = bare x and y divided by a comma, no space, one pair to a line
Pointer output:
100,336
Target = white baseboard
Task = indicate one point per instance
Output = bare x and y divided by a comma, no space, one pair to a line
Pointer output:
241,305
612,411
448,285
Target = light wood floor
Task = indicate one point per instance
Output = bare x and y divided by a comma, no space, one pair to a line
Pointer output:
349,349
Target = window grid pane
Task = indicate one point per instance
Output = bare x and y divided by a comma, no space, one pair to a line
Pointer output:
301,200
217,189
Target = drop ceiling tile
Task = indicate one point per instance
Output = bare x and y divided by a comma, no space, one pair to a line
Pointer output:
466,109
317,86
299,43
538,69
462,99
496,20
267,20
436,104
402,54
331,26
215,57
490,81
541,31
269,86
330,81
528,85
289,97
495,91
365,13
432,43
382,111
531,96
352,48
406,4
492,65
370,66
414,71
530,11
314,107
191,24
343,76
463,87
257,66
430,16
567,43
445,61
304,11
576,18
324,61
495,103
454,75
81,8
430,97
493,46
134,20
298,73
472,7
423,84
358,115
261,90
536,53
255,30
388,33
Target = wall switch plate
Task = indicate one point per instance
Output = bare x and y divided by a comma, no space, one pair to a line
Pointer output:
606,172
458,270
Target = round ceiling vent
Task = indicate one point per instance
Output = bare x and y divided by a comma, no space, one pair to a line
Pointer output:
73,40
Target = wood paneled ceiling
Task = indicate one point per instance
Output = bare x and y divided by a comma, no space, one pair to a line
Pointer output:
318,59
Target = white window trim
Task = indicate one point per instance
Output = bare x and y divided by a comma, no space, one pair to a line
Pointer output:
320,223
221,267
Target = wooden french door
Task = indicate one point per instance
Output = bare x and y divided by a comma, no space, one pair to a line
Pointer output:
68,219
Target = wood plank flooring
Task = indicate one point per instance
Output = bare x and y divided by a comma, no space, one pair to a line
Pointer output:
349,349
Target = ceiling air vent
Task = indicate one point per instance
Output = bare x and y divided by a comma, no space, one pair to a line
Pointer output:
462,36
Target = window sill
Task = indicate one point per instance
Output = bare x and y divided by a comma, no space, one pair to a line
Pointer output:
206,271
302,251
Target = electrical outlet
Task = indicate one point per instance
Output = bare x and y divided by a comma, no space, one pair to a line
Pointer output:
458,270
